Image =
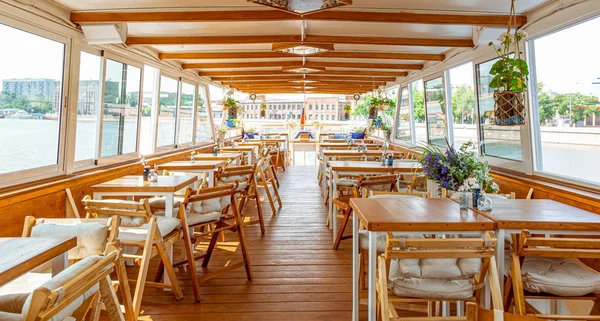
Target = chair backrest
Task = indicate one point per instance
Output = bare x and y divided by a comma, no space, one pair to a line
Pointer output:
375,182
529,245
304,136
132,213
380,194
349,158
93,234
69,291
210,199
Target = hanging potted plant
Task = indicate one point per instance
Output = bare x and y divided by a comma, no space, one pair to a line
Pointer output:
263,110
384,103
347,110
387,131
375,102
233,108
510,76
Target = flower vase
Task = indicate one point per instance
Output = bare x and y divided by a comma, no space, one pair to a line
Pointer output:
433,188
387,135
221,139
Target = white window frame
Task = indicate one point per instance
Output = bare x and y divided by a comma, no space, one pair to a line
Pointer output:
425,80
194,110
158,149
117,158
406,143
60,167
449,109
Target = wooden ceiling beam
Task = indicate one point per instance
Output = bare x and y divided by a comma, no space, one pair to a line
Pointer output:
95,17
300,77
349,73
277,54
217,40
298,63
289,83
211,40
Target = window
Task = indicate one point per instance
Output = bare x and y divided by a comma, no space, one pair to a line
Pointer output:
309,107
462,103
436,112
31,69
418,105
327,107
186,113
88,107
403,132
498,141
216,94
568,107
120,114
149,109
167,111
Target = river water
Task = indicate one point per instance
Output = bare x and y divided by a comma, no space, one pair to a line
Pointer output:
33,143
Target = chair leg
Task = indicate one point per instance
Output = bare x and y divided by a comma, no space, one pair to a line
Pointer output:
124,289
144,264
210,249
277,195
242,240
164,256
340,233
327,196
189,251
110,300
269,197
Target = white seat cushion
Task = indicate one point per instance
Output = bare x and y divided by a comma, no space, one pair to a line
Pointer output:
455,289
435,268
91,237
559,276
195,218
160,202
363,239
209,205
166,225
346,182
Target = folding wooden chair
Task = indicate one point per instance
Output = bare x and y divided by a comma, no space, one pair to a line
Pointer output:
69,295
549,269
210,206
265,179
420,270
279,155
381,182
150,234
247,189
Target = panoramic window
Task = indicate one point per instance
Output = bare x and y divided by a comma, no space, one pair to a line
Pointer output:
149,108
436,112
88,106
567,102
418,106
216,96
203,129
167,111
403,132
31,70
462,101
120,113
186,113
498,141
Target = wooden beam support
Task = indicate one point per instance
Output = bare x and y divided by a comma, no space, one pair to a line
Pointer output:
259,64
429,42
277,54
286,77
270,15
289,83
298,63
211,40
349,73
207,40
353,65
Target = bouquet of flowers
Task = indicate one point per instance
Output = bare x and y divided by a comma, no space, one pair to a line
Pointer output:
455,169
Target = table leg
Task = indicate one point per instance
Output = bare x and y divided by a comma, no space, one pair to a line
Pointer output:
500,234
355,270
169,200
59,263
211,178
372,275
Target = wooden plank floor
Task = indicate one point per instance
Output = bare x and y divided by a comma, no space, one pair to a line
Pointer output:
297,275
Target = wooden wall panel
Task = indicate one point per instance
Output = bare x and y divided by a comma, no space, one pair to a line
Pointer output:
50,200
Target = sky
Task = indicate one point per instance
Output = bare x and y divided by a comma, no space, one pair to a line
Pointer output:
566,61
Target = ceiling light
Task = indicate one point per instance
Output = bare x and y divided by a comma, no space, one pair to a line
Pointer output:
302,49
303,6
305,81
302,70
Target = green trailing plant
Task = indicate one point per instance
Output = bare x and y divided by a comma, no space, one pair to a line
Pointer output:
348,108
511,71
360,130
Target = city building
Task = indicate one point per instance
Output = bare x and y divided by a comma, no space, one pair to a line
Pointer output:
89,97
33,89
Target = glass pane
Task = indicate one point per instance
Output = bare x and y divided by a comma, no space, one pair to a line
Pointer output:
186,113
203,129
88,106
418,101
568,101
121,98
436,112
403,131
463,104
216,97
149,108
31,70
499,141
167,115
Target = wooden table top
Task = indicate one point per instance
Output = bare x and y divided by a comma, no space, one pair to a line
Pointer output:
417,214
541,214
239,148
22,254
347,152
268,140
360,166
369,145
220,156
196,165
165,184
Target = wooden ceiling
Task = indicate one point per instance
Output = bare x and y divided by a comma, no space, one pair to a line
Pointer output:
375,41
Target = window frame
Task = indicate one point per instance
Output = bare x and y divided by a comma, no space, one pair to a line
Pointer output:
63,151
160,149
411,124
426,79
128,156
187,81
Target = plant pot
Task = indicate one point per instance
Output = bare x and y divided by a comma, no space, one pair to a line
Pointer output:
387,135
263,114
433,188
220,139
358,135
382,107
373,112
509,108
230,123
347,116
232,113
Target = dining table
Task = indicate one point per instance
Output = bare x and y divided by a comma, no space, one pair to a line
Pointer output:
356,168
235,157
22,254
438,216
197,166
246,150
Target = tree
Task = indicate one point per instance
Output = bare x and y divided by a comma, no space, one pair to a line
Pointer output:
419,105
547,107
362,109
463,105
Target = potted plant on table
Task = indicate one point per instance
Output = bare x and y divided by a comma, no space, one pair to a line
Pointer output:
510,76
387,131
347,110
221,132
358,133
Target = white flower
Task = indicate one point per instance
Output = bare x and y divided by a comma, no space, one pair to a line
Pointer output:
503,36
521,35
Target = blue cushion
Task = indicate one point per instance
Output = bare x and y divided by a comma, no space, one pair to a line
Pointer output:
358,135
249,135
340,136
